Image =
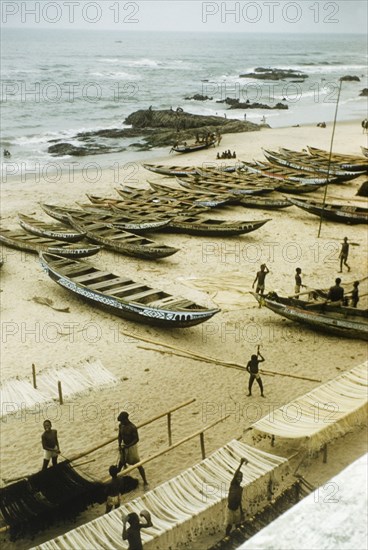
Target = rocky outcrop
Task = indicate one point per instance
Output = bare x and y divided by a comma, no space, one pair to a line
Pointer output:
199,97
236,104
262,73
155,128
349,78
364,92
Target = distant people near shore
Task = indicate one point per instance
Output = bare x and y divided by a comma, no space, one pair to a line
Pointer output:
226,155
218,137
365,126
6,153
128,444
50,445
344,253
261,279
321,125
263,120
336,293
133,533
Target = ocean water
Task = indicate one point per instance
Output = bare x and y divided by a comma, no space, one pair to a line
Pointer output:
56,83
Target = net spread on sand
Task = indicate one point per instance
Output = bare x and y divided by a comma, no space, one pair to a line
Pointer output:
17,394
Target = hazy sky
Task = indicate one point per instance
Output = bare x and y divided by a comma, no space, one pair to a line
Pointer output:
316,16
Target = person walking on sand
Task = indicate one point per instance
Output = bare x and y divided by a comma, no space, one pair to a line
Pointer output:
50,445
128,444
234,509
298,282
260,279
113,490
344,253
253,369
133,533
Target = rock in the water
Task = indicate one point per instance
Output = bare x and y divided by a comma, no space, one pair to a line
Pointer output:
349,78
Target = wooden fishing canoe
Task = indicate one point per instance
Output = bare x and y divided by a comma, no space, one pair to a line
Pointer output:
343,321
301,161
184,170
49,230
346,162
283,173
32,243
123,296
192,147
121,241
335,212
139,224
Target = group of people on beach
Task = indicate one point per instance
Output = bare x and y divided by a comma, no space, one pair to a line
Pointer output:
226,155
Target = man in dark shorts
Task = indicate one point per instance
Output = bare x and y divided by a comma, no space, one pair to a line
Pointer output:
234,510
50,445
344,253
128,444
336,293
260,279
252,368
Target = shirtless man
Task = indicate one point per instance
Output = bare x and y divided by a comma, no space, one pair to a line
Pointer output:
50,445
128,444
260,279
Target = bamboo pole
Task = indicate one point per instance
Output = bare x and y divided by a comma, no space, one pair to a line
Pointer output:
149,421
34,376
169,433
230,365
163,451
60,392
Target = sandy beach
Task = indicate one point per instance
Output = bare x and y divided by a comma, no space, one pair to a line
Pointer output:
216,272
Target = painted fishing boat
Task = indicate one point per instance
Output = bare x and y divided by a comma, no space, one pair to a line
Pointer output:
165,194
192,147
49,230
302,161
283,173
33,243
335,212
139,224
146,202
121,241
218,187
183,171
124,297
198,225
343,321
346,162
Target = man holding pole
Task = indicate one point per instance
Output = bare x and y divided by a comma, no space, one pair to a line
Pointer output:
234,510
252,368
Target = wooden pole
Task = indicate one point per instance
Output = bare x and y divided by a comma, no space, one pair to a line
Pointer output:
231,365
149,421
160,453
60,391
169,428
325,453
34,376
203,450
329,158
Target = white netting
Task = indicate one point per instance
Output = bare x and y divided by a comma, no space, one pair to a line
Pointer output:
181,508
16,395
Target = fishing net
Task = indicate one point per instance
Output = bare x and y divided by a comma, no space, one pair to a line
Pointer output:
186,506
53,495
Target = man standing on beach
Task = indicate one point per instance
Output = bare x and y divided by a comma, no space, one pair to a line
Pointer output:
234,510
298,282
344,253
260,279
252,368
128,444
50,445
